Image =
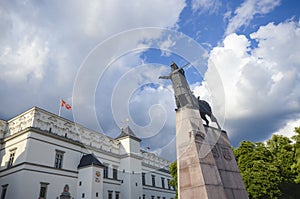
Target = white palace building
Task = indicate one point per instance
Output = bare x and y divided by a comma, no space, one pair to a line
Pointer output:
44,156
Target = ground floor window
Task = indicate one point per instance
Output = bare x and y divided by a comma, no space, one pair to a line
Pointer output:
43,190
117,195
110,193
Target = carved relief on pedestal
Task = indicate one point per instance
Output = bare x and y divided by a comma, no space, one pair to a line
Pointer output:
226,153
215,152
199,136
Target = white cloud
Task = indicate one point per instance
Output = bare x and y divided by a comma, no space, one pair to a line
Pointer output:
262,85
23,62
43,44
288,129
166,45
246,12
22,53
210,6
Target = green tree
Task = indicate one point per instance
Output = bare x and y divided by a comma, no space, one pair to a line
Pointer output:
271,170
260,176
262,180
173,181
296,146
283,156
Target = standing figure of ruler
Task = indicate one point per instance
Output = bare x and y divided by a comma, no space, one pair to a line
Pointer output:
183,94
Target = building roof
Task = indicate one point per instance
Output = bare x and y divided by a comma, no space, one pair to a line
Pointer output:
89,160
128,133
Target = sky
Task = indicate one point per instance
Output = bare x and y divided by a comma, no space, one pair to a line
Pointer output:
104,58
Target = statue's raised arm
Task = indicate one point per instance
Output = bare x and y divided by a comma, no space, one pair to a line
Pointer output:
164,77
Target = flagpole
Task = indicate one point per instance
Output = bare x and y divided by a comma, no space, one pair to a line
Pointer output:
59,109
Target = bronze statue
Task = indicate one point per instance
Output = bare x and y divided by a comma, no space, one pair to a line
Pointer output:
184,96
205,109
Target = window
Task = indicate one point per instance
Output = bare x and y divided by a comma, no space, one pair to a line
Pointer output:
82,195
11,158
169,186
110,194
143,179
163,183
115,173
117,195
158,197
105,171
152,197
59,155
97,194
80,183
144,196
43,190
153,180
4,189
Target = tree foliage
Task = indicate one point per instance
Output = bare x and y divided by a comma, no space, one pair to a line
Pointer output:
271,170
173,172
260,176
296,163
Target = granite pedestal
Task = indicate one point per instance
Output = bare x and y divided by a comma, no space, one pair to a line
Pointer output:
206,165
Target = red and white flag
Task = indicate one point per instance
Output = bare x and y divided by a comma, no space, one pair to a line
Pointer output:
64,104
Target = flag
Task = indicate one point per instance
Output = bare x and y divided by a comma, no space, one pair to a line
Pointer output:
68,106
64,104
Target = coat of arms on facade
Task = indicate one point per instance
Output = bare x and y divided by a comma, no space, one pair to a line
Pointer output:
98,174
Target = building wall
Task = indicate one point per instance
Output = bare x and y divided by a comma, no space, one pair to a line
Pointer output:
111,186
90,182
17,144
25,181
42,150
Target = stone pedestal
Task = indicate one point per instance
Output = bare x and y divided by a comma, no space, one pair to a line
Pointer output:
206,165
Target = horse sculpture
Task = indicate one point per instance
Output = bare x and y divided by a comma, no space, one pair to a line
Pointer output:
205,109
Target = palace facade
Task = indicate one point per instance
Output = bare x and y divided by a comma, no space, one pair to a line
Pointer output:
45,156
